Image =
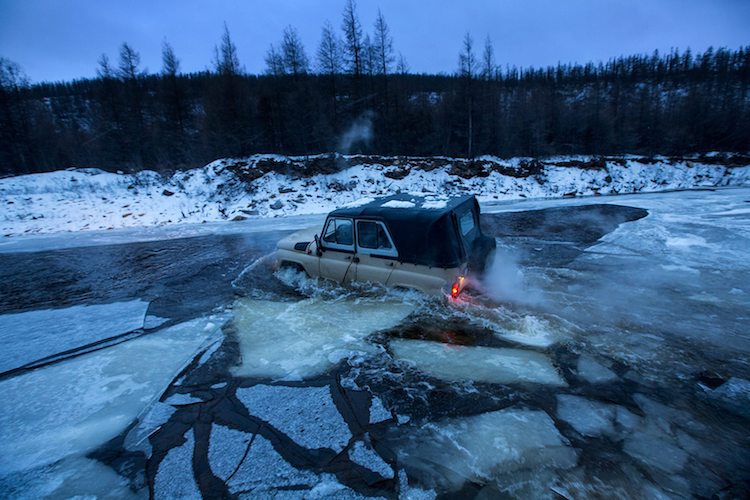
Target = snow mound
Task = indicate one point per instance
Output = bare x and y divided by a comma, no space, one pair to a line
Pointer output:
398,204
482,364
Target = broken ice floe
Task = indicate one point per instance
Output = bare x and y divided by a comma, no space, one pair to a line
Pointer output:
593,372
175,478
70,478
149,422
485,447
482,364
307,415
180,399
378,411
71,407
365,456
655,452
292,341
593,418
264,469
33,335
734,395
226,449
410,492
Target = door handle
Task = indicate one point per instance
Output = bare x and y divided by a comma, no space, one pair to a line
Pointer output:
355,260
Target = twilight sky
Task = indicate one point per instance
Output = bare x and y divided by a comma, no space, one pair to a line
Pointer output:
62,39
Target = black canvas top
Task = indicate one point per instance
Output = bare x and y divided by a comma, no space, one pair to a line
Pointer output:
423,228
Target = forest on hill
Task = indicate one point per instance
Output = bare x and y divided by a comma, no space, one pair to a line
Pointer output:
355,94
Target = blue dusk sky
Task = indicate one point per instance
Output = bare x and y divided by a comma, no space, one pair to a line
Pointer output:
56,40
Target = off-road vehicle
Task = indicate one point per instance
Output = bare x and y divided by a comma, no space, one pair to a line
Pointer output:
424,243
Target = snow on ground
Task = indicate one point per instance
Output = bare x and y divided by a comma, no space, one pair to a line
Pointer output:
25,336
91,199
71,407
483,364
310,336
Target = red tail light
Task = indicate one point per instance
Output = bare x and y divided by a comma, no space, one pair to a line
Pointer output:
454,290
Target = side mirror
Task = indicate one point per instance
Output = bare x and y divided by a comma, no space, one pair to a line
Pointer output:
318,249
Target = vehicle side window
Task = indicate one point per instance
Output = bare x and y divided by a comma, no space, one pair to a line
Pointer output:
339,233
466,221
373,237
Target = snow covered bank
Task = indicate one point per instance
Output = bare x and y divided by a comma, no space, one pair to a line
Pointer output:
270,185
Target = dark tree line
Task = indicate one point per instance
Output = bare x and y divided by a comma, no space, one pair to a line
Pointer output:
126,119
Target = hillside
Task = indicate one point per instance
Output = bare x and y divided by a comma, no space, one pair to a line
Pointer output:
274,185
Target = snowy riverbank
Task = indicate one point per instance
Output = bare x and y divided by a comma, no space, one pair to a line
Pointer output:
271,185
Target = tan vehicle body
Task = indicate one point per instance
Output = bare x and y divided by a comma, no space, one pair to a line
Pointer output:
344,267
405,241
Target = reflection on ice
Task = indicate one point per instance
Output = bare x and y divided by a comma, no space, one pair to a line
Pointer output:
482,364
491,447
293,341
72,407
33,335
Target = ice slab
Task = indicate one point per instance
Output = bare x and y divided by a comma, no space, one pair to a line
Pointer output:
149,422
593,372
71,407
378,411
531,331
734,395
655,452
33,335
175,478
264,469
412,493
292,341
70,478
307,415
482,364
226,449
590,418
365,456
483,447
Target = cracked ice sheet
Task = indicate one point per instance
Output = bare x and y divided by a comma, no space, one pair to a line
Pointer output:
307,415
71,407
175,478
309,337
482,364
33,335
485,447
265,469
365,456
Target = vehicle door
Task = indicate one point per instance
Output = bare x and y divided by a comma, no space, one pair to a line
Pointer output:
376,253
337,245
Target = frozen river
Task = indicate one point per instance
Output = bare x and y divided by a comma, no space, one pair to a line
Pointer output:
606,353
